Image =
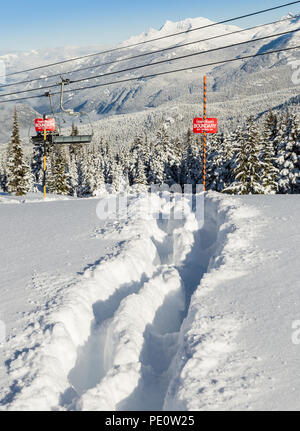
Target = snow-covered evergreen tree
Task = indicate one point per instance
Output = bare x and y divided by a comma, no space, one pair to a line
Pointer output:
140,175
75,149
16,169
168,156
37,163
29,176
269,171
192,162
289,156
3,175
248,165
271,130
86,175
99,183
156,173
72,175
124,157
217,163
59,182
252,160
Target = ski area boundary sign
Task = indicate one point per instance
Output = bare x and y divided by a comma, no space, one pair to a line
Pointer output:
207,125
41,124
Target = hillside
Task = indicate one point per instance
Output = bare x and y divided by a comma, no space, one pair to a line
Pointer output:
235,90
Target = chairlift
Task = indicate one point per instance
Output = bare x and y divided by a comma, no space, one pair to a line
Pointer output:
47,126
47,131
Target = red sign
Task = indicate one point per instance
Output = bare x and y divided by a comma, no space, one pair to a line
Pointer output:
41,124
208,125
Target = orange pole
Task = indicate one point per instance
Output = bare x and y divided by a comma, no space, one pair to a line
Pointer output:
44,181
204,137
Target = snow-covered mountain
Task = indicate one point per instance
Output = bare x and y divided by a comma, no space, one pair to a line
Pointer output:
235,89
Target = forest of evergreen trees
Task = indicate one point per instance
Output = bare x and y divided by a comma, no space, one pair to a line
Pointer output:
259,158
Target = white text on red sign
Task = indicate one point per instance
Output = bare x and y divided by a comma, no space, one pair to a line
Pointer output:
208,125
48,124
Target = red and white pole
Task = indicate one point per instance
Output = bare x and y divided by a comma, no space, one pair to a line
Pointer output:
204,135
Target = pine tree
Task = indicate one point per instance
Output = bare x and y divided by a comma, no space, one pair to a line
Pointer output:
156,173
17,172
140,175
271,126
217,164
86,175
248,165
136,152
231,145
166,152
138,146
59,180
37,162
75,149
244,161
164,163
288,160
73,176
116,175
99,182
124,161
80,189
269,171
3,176
29,176
191,166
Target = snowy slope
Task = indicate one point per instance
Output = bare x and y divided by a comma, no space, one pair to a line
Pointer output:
237,350
36,262
141,314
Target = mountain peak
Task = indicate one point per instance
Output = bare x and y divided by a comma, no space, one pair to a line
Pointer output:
289,15
170,27
292,17
184,25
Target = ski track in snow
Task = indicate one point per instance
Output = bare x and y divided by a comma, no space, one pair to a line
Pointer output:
134,333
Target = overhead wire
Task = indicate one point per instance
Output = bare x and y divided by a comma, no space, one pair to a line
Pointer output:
134,68
153,40
158,74
28,81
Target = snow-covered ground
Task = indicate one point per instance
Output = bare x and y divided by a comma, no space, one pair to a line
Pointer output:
150,313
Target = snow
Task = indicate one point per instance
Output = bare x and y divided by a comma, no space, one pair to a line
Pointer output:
237,82
185,25
148,313
236,349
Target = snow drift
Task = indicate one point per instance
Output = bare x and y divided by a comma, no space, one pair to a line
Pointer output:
144,329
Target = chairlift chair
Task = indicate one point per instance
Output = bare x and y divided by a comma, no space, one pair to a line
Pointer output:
53,135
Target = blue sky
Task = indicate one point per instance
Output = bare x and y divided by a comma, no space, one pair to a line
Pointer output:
28,24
